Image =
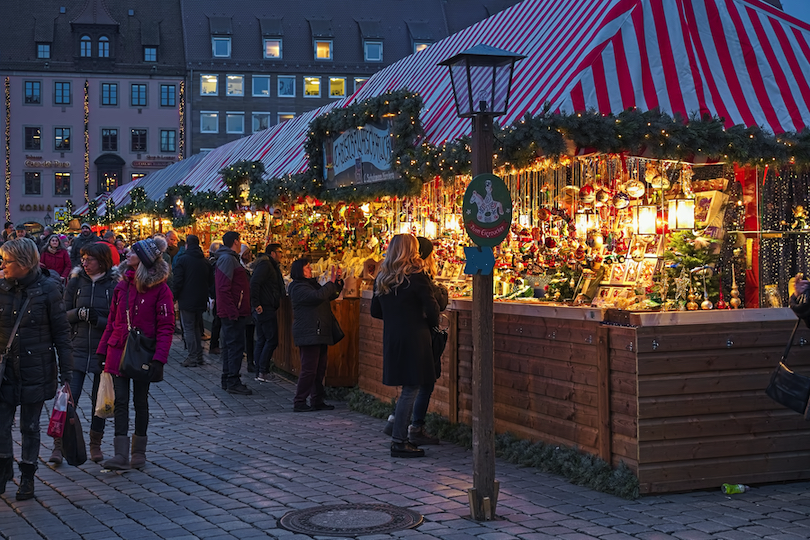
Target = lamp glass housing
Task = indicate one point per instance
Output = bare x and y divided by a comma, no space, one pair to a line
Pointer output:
681,214
644,219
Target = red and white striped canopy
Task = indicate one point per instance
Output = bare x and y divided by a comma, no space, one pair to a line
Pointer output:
743,60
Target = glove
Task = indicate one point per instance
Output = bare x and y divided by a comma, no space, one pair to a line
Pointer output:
92,316
84,313
156,367
102,359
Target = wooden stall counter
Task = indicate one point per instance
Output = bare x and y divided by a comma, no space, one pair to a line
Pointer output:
677,396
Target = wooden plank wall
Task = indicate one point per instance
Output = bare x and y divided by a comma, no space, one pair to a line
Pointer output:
623,399
703,416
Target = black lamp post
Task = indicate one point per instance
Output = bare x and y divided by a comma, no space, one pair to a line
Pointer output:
48,219
482,80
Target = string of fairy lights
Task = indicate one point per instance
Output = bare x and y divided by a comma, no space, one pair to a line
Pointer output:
8,147
181,109
86,140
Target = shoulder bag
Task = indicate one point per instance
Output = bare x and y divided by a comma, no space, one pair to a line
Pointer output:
7,351
787,387
73,446
438,337
337,331
139,350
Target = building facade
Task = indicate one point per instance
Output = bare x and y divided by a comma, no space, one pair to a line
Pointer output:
94,96
252,64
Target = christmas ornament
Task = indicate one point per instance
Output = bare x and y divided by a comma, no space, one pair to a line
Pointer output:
621,200
635,189
691,305
587,194
602,196
735,292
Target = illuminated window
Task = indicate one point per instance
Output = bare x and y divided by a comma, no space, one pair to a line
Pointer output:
358,82
286,86
33,183
209,122
33,138
312,87
61,183
85,47
109,94
33,92
208,85
235,122
261,121
261,86
221,47
103,47
134,176
168,140
107,181
61,139
138,140
283,117
235,85
272,48
373,51
323,49
150,54
109,140
420,46
337,87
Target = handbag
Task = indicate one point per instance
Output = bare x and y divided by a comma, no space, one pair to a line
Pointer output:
56,424
787,387
73,446
7,351
337,331
139,350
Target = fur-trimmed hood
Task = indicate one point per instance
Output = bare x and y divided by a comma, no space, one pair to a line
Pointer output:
157,274
114,273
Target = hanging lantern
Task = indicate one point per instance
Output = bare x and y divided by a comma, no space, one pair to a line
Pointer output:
644,218
681,214
581,224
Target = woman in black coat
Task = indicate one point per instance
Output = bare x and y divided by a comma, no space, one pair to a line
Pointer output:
312,332
404,300
40,351
87,300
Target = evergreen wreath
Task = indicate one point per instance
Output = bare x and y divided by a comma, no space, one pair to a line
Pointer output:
234,176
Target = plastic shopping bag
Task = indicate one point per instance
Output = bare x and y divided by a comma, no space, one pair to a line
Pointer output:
105,401
56,426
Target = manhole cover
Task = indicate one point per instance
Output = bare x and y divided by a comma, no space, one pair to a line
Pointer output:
350,520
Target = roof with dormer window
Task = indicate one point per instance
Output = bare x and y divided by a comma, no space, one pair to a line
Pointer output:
95,12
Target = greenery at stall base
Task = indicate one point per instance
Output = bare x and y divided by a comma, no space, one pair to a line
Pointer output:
579,468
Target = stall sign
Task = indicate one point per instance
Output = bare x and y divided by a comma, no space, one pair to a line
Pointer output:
60,213
359,156
487,210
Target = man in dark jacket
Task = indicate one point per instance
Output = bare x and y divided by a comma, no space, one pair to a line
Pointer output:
233,307
42,340
192,277
86,237
266,292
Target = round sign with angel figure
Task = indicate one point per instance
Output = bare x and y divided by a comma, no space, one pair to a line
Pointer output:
487,210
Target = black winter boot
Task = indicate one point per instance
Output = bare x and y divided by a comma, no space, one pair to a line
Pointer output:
26,490
138,459
121,460
6,472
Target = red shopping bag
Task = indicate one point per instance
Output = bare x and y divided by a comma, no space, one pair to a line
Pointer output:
56,427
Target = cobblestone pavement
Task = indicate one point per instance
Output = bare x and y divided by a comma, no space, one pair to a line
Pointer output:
228,467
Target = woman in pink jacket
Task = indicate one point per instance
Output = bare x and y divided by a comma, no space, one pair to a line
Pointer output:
55,257
144,294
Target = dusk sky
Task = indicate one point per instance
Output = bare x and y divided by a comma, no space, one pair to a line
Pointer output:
798,8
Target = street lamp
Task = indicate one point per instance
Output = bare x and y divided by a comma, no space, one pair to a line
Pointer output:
481,78
48,219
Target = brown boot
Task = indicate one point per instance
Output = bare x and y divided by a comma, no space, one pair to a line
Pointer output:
121,460
56,455
138,459
95,446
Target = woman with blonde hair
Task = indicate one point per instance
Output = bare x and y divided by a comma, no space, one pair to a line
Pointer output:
404,300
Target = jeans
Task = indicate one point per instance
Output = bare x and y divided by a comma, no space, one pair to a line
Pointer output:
192,322
233,347
76,384
402,413
250,332
29,428
421,404
310,379
266,339
140,400
216,327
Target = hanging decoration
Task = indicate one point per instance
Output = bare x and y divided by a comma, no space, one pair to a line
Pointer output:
86,140
8,147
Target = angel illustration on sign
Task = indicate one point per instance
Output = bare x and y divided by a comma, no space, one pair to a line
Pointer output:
489,210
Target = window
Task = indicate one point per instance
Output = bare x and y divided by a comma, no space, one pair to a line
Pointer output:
209,122
138,95
33,92
235,85
261,86
261,121
150,54
85,47
272,48
107,181
138,140
43,50
284,116
33,138
221,47
373,51
61,183
208,85
61,93
286,86
337,87
134,176
109,140
168,93
109,93
235,122
168,140
358,82
103,47
323,49
420,46
312,87
61,139
33,183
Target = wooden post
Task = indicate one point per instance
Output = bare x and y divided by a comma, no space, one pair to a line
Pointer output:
484,494
452,368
